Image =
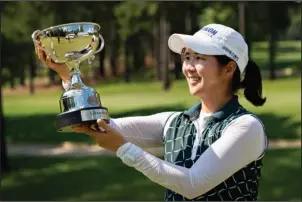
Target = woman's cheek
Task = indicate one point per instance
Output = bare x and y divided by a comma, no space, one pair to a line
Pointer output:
184,69
200,69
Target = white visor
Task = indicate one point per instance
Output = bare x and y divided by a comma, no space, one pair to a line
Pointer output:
199,43
214,39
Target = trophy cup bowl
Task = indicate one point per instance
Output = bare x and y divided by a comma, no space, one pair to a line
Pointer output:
71,44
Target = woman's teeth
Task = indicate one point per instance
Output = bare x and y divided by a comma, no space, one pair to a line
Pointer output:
194,78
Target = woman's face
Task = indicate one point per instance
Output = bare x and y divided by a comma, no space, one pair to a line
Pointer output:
203,73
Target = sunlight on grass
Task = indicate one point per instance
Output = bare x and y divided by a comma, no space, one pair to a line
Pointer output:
288,54
123,97
36,115
107,178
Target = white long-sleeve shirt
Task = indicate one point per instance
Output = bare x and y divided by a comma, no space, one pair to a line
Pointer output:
241,142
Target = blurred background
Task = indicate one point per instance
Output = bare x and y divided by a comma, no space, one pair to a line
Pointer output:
136,74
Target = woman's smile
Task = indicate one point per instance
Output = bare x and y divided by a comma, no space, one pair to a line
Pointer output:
193,80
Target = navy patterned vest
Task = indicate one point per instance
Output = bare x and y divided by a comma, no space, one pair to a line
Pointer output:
179,141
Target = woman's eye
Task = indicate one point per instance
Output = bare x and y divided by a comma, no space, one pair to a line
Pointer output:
187,57
199,58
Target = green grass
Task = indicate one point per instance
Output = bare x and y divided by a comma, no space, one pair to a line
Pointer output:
107,178
32,118
288,54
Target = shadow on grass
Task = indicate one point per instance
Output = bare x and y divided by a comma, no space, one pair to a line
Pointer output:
92,178
280,127
107,178
281,175
41,128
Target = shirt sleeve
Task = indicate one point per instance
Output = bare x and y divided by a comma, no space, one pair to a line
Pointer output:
242,142
144,131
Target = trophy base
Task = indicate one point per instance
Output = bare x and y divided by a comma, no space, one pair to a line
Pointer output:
66,120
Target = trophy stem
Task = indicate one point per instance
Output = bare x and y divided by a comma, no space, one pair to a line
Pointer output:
76,81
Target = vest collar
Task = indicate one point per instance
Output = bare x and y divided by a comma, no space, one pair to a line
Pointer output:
226,110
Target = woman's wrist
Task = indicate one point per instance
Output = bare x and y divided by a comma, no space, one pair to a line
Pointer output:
123,149
65,79
121,144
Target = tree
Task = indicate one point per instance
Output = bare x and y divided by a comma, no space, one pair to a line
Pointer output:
135,35
219,12
294,30
17,30
164,52
4,159
273,18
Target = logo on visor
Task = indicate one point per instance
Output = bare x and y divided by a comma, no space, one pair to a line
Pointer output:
233,55
209,30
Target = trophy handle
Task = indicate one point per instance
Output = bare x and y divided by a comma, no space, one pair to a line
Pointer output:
97,51
34,36
102,44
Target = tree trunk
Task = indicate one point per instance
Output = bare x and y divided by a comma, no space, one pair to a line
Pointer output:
177,67
272,46
113,58
4,158
52,77
102,62
241,8
188,22
22,77
113,49
127,61
272,55
12,78
248,31
194,20
244,24
138,53
32,68
156,51
164,58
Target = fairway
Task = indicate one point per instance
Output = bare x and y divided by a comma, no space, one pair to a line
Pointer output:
288,54
107,178
35,115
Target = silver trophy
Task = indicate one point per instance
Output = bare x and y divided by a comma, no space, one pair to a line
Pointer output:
71,44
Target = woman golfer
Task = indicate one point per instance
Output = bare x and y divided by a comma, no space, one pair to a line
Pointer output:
214,150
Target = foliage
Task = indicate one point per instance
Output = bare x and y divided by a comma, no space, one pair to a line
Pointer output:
121,20
134,17
294,30
219,13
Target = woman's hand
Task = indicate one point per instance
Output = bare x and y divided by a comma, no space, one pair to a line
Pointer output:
60,68
108,138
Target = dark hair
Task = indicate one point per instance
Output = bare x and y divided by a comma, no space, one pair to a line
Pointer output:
252,82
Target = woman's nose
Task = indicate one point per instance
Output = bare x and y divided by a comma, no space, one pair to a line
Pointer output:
191,67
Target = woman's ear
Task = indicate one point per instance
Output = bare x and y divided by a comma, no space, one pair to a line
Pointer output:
230,69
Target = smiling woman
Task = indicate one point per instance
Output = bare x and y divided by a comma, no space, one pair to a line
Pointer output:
206,72
214,150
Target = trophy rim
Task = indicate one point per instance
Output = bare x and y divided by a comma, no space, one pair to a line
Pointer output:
72,23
